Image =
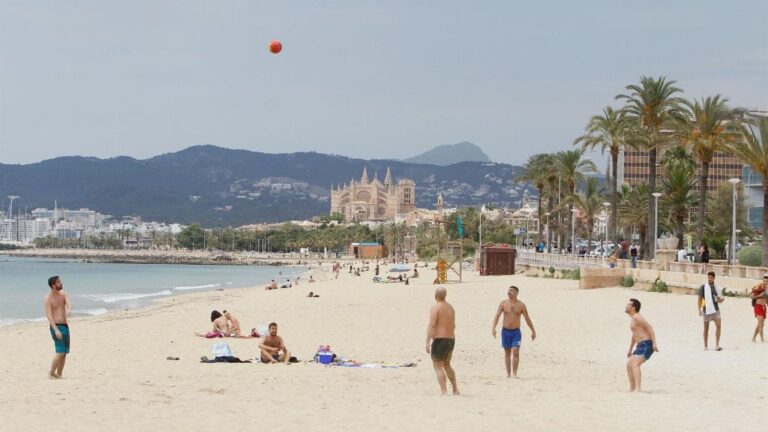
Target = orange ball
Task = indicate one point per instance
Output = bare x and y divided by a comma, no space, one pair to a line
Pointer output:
275,47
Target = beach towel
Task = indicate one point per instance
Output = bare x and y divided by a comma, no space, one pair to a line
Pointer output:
228,359
710,305
354,364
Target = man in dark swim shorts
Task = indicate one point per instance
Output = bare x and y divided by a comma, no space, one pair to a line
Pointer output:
440,332
442,348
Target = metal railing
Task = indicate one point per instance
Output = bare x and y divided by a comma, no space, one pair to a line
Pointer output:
559,261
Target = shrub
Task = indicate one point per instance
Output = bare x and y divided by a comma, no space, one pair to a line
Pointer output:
627,281
552,270
751,256
572,274
659,286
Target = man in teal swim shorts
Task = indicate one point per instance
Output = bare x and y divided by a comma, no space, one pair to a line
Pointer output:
57,308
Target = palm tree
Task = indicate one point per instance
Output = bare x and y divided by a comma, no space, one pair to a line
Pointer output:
535,171
572,167
707,127
651,106
590,203
633,210
678,196
753,151
607,132
678,155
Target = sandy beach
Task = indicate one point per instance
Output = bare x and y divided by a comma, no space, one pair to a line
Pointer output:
572,377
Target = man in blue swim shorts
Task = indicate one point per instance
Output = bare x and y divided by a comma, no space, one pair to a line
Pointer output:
57,308
511,337
644,342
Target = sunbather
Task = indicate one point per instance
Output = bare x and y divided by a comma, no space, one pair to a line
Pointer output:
220,326
234,324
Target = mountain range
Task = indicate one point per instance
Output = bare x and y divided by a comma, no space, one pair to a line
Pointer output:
223,187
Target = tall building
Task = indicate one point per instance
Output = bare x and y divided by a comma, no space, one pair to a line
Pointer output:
636,169
753,197
372,200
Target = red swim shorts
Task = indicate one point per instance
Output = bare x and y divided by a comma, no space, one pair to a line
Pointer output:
760,310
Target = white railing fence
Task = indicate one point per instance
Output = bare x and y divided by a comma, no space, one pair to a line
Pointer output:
559,261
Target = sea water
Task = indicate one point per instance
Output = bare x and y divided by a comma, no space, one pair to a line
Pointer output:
96,288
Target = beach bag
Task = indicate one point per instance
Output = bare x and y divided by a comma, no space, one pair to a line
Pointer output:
222,349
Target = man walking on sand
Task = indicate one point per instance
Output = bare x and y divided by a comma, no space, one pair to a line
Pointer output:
759,302
644,342
511,337
709,299
57,308
440,332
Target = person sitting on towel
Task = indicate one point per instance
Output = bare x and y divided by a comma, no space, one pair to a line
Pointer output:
273,348
220,326
234,324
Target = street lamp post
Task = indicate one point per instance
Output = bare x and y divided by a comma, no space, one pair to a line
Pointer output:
656,196
607,206
526,231
732,249
573,231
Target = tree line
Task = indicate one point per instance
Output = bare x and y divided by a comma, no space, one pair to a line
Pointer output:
679,136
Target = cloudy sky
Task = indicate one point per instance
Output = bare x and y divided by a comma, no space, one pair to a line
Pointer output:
371,79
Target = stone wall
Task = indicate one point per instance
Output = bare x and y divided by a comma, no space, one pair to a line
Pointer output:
600,277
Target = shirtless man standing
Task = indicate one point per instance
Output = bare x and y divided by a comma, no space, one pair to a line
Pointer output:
759,302
440,332
57,308
644,341
272,346
511,337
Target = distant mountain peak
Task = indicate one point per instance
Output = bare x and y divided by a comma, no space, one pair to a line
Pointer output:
449,154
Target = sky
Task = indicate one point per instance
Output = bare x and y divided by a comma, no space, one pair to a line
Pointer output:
368,79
